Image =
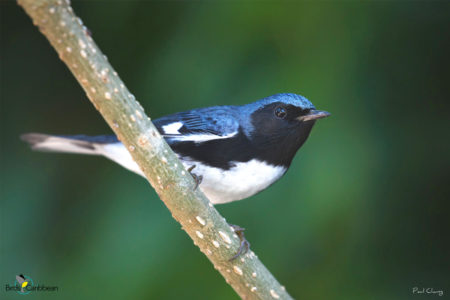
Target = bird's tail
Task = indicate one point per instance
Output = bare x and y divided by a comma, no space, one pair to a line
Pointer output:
105,145
81,144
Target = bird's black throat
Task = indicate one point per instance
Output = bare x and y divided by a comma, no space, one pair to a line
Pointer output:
279,147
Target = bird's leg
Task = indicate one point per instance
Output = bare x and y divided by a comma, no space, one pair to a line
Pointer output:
245,245
198,179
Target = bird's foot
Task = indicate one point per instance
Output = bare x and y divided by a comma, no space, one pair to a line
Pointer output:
245,245
198,179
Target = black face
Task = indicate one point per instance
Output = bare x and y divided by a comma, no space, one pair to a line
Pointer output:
278,133
277,117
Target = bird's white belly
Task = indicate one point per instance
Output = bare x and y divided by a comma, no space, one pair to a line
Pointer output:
220,186
243,180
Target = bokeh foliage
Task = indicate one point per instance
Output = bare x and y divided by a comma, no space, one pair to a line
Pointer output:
363,211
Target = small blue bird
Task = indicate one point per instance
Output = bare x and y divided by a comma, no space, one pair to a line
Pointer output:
234,151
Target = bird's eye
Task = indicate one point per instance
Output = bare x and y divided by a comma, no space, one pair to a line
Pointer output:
280,112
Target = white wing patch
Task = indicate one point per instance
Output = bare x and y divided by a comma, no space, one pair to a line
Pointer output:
198,138
172,128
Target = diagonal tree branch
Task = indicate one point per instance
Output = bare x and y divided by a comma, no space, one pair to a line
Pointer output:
197,216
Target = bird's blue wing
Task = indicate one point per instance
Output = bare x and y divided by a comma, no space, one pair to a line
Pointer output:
199,125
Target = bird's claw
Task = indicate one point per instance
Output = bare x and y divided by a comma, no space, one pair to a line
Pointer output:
244,246
197,178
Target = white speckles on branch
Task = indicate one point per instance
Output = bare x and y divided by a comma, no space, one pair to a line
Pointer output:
115,124
93,65
225,237
274,294
104,72
216,244
132,118
62,23
201,220
131,148
68,49
93,90
208,252
108,95
81,43
199,234
142,141
210,204
83,53
116,90
52,10
228,271
283,287
237,270
164,159
254,274
183,173
253,289
242,259
138,114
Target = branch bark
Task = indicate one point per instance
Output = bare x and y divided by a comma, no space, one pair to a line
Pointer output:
126,117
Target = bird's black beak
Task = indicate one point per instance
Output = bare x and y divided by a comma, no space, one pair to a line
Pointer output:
314,115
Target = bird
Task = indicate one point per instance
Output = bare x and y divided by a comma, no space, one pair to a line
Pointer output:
236,150
232,151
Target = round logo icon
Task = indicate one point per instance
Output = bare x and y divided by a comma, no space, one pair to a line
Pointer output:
24,283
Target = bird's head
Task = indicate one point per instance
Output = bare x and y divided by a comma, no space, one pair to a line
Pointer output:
281,121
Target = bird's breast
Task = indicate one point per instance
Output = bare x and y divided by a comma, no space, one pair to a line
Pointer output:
241,181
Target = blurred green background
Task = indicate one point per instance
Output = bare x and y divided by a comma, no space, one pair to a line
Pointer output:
363,211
